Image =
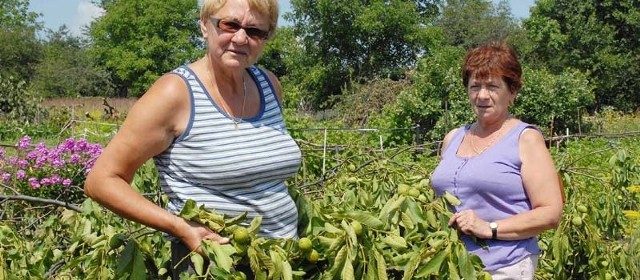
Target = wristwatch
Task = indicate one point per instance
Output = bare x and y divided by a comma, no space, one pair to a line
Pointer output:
494,230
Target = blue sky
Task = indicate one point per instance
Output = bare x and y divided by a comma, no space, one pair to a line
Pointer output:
78,13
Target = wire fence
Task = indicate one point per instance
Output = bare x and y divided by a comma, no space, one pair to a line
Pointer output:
105,130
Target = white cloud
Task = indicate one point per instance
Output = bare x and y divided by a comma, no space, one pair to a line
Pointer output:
86,13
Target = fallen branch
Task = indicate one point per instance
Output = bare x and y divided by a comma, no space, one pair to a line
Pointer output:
41,200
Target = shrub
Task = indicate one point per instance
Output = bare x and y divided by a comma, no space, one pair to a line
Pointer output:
17,102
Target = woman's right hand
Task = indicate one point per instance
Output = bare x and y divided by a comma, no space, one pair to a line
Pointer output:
193,233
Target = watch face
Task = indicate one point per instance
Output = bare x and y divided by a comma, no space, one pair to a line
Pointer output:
493,225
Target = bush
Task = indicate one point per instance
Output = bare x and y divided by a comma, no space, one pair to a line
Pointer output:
17,102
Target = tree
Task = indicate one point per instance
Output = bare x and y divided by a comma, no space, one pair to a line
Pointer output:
19,47
139,40
600,38
347,41
67,70
469,23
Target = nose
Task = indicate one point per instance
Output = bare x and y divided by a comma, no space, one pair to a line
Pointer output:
484,93
240,37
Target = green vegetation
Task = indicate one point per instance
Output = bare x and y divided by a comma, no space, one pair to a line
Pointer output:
391,67
370,214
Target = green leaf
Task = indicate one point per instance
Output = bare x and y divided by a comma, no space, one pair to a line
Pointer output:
189,210
132,263
365,218
347,271
198,262
287,271
465,265
391,205
221,254
407,221
411,267
382,265
395,241
331,228
276,273
236,219
433,265
452,199
340,260
255,224
126,258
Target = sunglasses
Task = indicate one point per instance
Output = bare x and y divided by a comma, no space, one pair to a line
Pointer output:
233,27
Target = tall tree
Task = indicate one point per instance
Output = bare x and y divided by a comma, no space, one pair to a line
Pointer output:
139,40
346,40
601,38
67,70
19,47
468,23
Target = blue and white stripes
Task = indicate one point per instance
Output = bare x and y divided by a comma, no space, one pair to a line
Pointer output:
229,169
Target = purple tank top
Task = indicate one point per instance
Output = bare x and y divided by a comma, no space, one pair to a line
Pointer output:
491,185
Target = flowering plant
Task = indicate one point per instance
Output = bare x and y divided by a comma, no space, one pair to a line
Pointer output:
56,172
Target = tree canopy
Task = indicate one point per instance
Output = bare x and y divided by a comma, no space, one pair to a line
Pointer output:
349,40
19,47
139,40
598,37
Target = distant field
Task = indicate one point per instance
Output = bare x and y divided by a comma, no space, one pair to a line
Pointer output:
89,104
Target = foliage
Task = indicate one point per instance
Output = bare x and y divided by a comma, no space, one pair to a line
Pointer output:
596,37
137,41
348,41
469,23
18,103
595,238
67,70
282,55
365,101
367,212
556,103
19,47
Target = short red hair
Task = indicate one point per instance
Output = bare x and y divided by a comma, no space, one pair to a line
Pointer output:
493,59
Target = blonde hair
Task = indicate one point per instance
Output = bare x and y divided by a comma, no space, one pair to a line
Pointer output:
268,8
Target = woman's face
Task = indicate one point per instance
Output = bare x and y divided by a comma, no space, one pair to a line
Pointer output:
234,49
490,98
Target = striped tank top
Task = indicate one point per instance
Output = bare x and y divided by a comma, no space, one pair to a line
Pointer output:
233,169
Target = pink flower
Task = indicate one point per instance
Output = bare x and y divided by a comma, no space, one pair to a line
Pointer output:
34,183
21,174
24,143
6,177
66,182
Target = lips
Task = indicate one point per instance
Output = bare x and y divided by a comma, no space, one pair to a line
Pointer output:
238,52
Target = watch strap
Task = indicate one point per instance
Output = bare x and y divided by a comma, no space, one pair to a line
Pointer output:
494,230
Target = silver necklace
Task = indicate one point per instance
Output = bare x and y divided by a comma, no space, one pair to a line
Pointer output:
473,146
235,120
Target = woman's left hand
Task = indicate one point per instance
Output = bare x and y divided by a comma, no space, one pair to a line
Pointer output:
469,223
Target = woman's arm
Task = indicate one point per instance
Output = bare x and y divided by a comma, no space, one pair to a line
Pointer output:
150,127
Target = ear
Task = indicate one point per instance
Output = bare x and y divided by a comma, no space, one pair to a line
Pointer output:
513,98
203,28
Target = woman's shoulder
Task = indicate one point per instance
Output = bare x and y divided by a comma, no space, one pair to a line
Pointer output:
167,94
530,134
451,134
